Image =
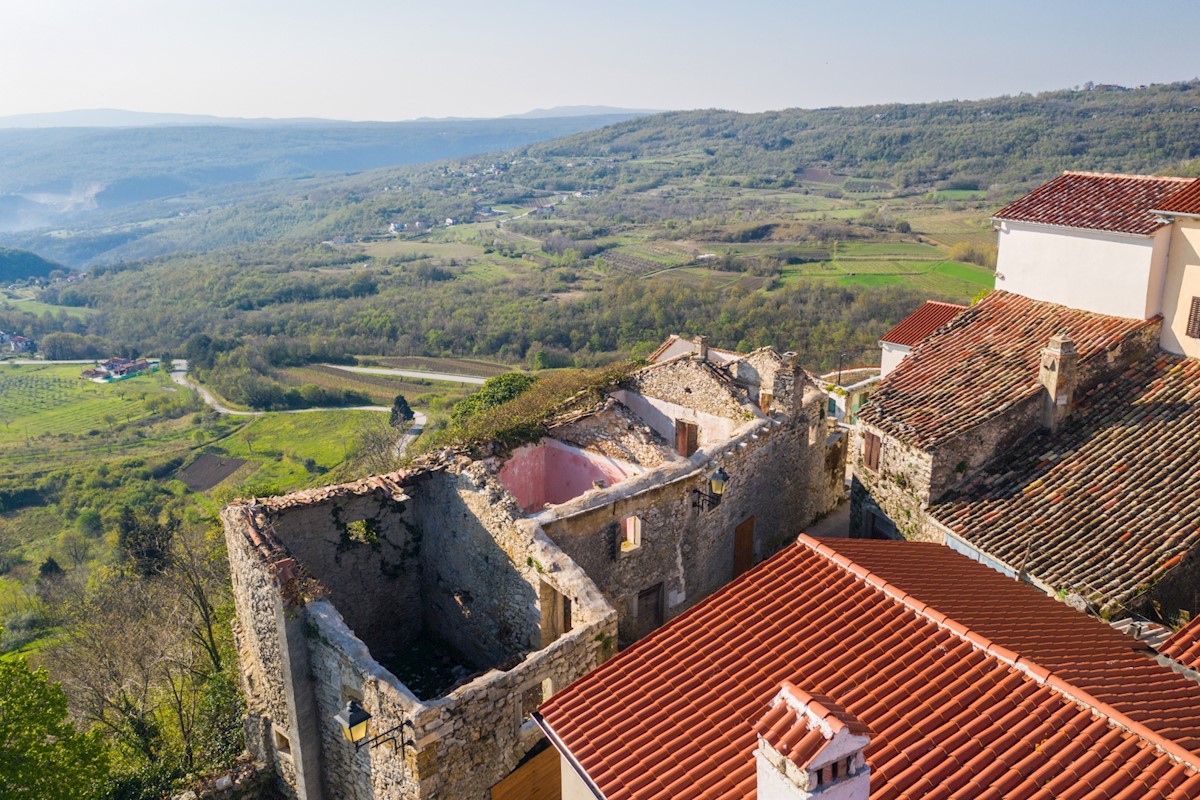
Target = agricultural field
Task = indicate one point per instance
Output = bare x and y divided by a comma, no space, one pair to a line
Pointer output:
949,228
382,389
39,308
51,400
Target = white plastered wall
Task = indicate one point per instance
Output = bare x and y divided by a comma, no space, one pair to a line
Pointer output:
1108,273
1181,285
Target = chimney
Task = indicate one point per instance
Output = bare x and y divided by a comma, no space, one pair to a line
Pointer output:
810,748
702,348
1058,375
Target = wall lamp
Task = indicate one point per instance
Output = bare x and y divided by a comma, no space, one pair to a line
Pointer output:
354,718
711,498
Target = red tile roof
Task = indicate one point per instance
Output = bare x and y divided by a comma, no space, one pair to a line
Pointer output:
922,322
1184,645
980,364
1184,201
1110,502
951,712
1095,201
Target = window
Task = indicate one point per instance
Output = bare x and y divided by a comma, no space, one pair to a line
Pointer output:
281,743
566,614
871,446
1193,326
764,402
631,533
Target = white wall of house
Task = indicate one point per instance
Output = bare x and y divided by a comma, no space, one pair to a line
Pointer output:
1181,285
573,787
891,356
1108,273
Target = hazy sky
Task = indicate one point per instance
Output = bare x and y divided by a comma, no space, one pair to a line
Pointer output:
388,60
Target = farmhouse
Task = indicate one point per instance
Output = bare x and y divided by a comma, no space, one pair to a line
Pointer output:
874,669
117,368
449,600
1051,429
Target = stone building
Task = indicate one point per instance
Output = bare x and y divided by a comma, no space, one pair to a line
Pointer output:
451,599
1041,433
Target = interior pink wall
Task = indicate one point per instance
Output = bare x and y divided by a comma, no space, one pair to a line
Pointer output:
554,473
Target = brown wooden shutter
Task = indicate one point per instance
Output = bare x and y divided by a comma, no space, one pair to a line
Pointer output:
686,437
1193,326
871,445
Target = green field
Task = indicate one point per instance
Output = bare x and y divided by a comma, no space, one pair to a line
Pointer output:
37,401
941,278
39,308
382,389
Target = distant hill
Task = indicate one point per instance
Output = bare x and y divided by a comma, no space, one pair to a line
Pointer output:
580,111
17,265
1006,140
57,176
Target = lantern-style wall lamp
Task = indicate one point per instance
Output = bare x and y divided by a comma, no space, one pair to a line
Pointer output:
716,488
354,718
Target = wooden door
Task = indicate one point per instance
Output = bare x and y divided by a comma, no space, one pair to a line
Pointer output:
649,610
539,778
743,547
687,437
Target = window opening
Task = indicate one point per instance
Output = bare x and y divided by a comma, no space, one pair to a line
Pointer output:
631,533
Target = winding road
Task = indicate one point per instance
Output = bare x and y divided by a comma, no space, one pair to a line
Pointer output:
179,368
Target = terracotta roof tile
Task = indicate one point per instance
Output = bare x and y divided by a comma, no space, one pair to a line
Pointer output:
925,320
1184,201
980,364
1110,502
1184,645
678,714
1096,201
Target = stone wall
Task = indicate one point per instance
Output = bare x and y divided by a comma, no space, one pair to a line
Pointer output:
364,551
909,479
479,593
781,474
483,574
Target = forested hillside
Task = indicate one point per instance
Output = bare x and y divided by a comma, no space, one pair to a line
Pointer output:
18,265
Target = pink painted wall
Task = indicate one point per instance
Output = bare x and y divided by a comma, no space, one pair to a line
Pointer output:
551,472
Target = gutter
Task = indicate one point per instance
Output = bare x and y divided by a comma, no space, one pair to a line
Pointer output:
565,754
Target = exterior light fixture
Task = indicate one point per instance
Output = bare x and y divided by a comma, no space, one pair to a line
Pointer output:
716,486
354,718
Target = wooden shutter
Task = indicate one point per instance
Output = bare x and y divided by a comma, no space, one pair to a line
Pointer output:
871,451
686,437
1193,326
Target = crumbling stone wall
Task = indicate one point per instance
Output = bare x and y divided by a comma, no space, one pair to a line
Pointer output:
301,661
476,596
365,552
779,475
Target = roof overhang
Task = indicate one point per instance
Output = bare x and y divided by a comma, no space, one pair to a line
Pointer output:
567,756
998,221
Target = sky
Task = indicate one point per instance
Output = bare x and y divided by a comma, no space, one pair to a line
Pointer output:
396,59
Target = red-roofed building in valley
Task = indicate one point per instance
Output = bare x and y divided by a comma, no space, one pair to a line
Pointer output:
882,670
900,340
1044,430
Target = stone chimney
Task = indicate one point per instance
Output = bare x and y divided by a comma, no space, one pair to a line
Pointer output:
702,348
809,748
1058,374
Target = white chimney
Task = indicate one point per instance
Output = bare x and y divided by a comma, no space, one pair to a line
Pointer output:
810,748
702,348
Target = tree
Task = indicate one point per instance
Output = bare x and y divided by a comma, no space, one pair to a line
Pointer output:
41,754
495,391
401,412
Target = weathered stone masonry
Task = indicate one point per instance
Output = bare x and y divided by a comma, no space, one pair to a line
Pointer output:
482,574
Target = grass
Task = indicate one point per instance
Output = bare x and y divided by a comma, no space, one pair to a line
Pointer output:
941,278
51,400
382,389
280,444
877,249
39,308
